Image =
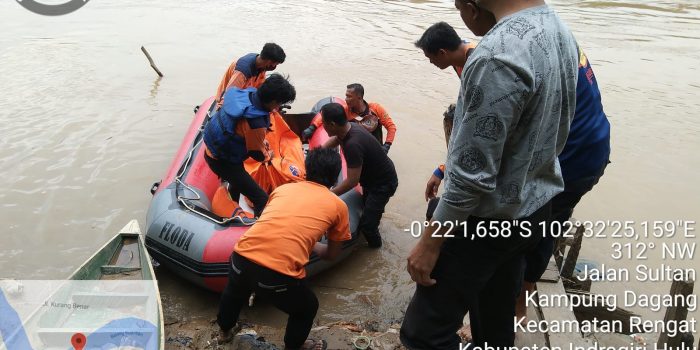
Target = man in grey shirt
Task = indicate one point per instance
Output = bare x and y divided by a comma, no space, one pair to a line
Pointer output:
516,102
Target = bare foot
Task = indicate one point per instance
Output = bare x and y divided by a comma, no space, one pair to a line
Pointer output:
314,344
465,333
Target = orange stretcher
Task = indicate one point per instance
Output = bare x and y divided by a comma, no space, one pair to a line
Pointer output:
285,166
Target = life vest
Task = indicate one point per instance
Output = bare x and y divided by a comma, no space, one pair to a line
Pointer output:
220,133
368,119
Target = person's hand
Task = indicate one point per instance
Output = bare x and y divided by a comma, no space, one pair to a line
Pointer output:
268,152
308,132
431,188
421,261
386,147
268,157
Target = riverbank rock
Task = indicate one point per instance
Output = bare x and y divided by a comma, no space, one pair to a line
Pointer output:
201,334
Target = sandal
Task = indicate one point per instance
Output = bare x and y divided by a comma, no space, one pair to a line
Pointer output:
314,344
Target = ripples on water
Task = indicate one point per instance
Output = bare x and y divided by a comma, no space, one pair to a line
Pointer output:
86,128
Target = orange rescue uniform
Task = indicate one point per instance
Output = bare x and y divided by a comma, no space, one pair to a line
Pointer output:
295,218
240,77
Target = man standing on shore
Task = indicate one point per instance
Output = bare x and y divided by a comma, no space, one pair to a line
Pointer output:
516,102
367,164
583,160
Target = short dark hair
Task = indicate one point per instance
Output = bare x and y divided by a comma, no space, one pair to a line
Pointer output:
273,52
334,112
323,166
439,36
358,88
277,88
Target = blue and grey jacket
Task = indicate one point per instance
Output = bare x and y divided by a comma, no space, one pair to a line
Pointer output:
220,133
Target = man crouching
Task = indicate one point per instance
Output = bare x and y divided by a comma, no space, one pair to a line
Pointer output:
270,257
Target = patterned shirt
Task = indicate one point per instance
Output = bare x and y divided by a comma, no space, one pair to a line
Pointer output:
516,102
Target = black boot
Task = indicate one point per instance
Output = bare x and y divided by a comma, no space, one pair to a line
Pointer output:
374,239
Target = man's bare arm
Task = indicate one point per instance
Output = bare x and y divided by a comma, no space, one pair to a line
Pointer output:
350,182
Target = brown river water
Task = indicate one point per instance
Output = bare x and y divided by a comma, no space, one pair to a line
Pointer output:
86,127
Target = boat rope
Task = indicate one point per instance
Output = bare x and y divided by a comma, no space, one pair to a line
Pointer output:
185,201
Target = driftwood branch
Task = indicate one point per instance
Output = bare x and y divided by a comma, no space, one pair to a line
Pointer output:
150,60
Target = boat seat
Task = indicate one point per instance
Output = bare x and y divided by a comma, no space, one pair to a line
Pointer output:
113,270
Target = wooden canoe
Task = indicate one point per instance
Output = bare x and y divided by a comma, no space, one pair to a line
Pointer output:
122,259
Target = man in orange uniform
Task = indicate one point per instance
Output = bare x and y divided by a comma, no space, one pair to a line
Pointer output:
354,97
237,132
249,70
270,257
369,115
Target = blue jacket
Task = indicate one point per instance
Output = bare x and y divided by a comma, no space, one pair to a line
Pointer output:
587,147
220,133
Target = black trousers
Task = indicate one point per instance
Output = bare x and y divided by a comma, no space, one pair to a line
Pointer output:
239,181
563,206
375,200
481,276
288,294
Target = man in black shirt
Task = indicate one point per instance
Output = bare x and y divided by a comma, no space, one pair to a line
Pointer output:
367,165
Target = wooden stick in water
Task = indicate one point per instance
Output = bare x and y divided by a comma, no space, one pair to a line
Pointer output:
150,60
